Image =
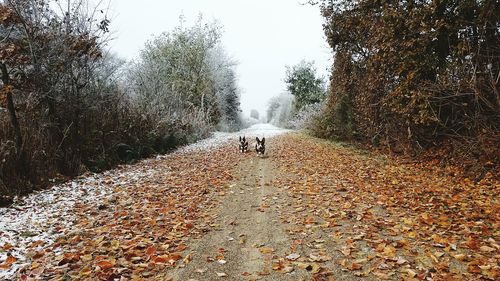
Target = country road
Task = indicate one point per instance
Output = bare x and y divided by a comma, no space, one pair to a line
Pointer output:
308,210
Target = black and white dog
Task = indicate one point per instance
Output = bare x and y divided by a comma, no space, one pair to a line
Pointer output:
260,146
243,145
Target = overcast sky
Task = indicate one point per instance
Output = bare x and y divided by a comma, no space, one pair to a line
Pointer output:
263,36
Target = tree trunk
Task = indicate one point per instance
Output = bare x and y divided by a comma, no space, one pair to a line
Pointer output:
11,108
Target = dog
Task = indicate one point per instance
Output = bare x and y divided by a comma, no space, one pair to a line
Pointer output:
260,146
243,145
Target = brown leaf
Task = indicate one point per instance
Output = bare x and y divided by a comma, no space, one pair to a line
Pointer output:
8,262
487,249
105,265
7,247
150,250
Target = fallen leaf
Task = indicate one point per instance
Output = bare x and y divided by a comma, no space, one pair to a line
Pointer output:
487,249
7,247
8,262
105,265
411,273
187,259
293,256
266,250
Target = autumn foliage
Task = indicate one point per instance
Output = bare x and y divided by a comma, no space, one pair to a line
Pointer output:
410,75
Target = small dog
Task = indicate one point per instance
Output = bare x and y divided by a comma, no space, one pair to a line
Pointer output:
243,145
260,146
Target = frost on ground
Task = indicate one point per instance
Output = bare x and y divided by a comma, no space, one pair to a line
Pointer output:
36,221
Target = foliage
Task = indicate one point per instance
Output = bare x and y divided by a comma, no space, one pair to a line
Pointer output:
227,92
337,119
52,66
68,106
303,83
299,106
281,113
185,73
306,118
412,73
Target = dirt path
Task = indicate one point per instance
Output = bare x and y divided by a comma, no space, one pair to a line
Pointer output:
249,234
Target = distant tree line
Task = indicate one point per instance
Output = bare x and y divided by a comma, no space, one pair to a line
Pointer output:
68,106
414,74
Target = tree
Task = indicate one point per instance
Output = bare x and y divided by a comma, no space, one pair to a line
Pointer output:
47,58
66,109
72,106
228,100
226,89
303,83
173,73
272,109
185,80
254,114
414,72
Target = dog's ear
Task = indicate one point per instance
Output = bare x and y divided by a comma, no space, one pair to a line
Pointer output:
240,138
244,139
263,140
257,138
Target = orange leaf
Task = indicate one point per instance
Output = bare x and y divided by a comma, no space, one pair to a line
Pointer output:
161,259
8,262
473,269
98,258
173,258
85,271
105,264
150,250
38,255
181,248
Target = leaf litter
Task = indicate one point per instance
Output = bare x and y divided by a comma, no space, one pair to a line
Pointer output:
383,219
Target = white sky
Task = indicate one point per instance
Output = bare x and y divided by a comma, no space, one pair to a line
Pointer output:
263,36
